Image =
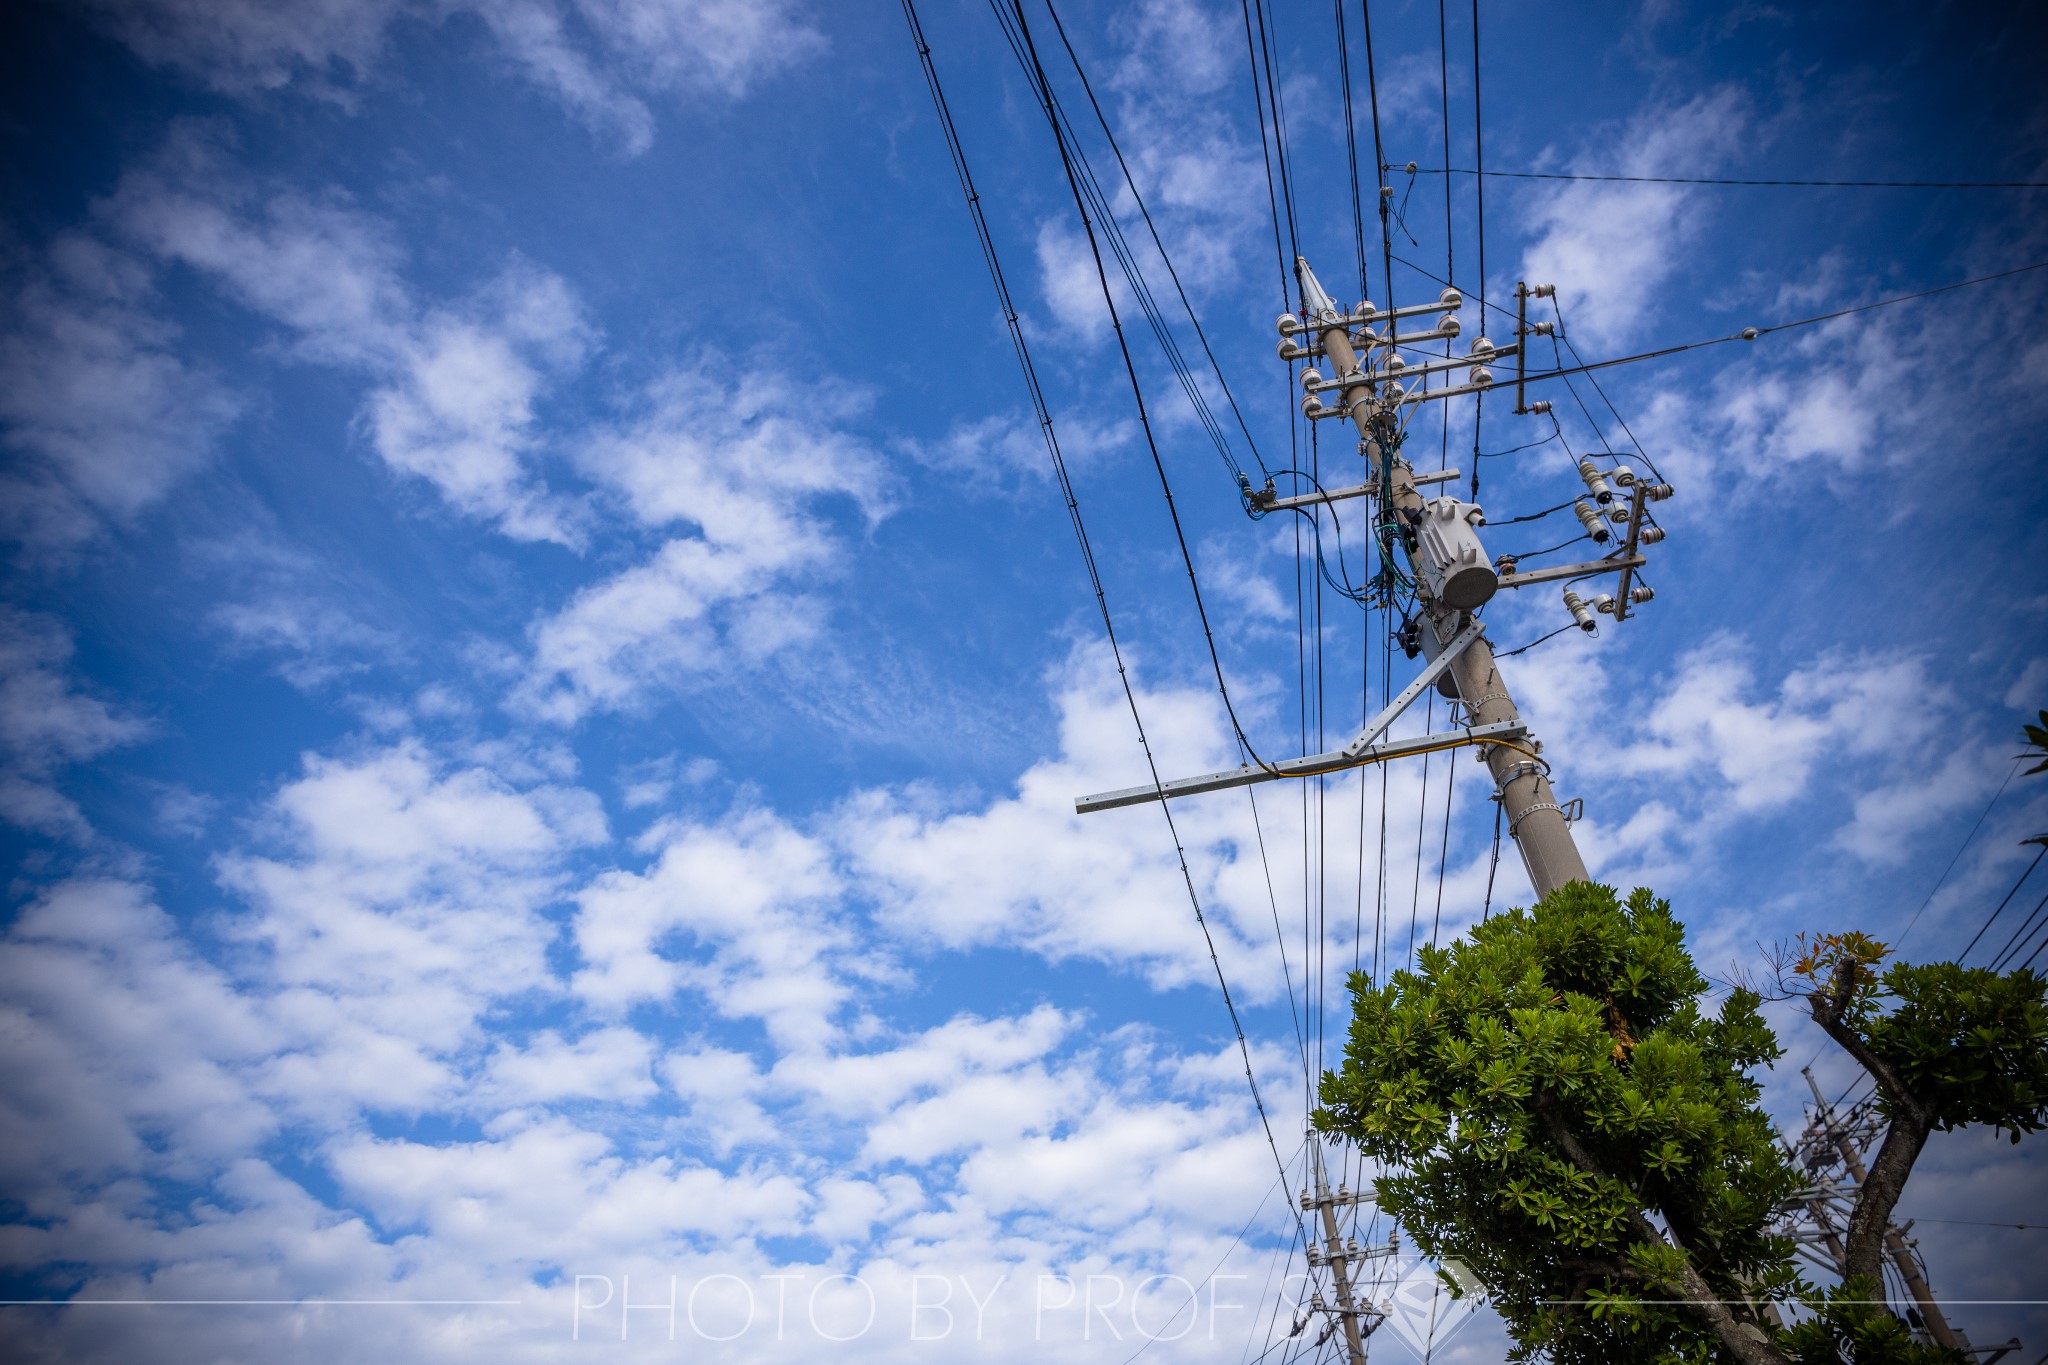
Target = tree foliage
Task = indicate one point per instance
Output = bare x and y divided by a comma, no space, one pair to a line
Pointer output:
1560,1114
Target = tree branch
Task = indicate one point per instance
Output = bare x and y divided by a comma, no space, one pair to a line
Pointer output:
1745,1341
1879,1189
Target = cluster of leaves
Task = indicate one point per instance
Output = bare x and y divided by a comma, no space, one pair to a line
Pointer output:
1570,1125
1962,1045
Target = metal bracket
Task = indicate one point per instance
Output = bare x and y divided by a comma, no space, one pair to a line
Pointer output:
1315,765
1431,671
1590,567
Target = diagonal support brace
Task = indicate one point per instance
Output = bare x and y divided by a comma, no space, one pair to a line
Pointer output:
1431,671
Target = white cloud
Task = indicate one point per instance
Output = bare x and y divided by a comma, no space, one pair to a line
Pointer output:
722,456
46,724
597,57
404,900
106,414
1609,247
755,896
456,383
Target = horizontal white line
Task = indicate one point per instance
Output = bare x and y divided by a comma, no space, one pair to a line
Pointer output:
265,1303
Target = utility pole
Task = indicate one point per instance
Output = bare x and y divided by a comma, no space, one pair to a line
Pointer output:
1372,400
1453,578
1340,1256
1830,1153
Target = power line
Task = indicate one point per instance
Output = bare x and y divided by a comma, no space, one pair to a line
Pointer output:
1993,917
1752,333
1968,839
1044,85
1022,348
1711,180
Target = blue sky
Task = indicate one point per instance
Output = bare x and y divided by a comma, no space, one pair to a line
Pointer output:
545,670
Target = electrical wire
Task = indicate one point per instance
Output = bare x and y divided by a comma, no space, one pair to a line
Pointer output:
1022,348
1968,839
1160,246
2003,903
1711,180
1570,625
1044,90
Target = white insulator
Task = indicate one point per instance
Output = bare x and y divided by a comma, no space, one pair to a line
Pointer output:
1596,481
1311,380
1395,393
1576,605
1590,519
1481,377
1618,514
1543,291
1288,324
1449,325
1290,351
1481,347
1451,298
1542,329
1396,363
1650,535
1641,594
1364,309
1604,604
1540,406
1657,492
1311,406
1624,477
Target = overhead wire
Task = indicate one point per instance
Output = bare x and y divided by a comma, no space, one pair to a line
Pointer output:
1138,198
1993,917
1133,272
1044,90
992,259
1713,180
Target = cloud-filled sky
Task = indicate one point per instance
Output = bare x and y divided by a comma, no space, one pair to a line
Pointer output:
544,668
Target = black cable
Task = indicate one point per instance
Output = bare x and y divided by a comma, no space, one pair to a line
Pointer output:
1533,516
2002,904
1574,625
1379,154
1159,245
2019,936
1968,839
1130,369
1552,550
1709,180
1351,147
1752,333
1486,906
1134,275
1010,314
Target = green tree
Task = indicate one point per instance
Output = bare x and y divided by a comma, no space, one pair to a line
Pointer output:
1561,1115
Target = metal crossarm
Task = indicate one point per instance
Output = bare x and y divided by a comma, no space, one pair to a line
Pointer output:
1312,766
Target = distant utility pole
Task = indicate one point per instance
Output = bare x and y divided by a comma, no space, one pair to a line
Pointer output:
1830,1154
1438,538
1340,1256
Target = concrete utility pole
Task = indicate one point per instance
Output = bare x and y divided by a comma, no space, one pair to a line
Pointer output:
1358,1320
1452,575
1534,818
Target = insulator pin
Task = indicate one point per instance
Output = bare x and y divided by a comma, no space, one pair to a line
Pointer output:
1590,519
